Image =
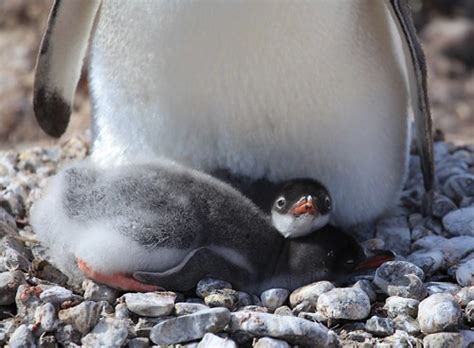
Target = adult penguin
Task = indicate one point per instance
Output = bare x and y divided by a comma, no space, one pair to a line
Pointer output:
261,89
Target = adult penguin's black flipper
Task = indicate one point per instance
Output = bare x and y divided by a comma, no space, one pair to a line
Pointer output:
60,60
417,75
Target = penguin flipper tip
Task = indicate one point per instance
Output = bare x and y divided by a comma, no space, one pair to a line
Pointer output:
52,111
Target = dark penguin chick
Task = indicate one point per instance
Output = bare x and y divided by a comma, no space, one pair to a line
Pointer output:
302,206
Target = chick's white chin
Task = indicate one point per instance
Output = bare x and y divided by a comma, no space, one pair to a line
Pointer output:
293,227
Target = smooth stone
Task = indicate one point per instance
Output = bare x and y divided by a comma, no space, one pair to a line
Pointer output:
284,310
9,284
466,202
407,324
151,304
254,308
310,293
98,292
22,338
443,340
212,341
190,327
48,317
438,313
44,270
184,308
440,287
227,298
408,286
380,327
400,339
344,303
82,317
267,342
459,186
207,285
469,311
295,331
442,205
304,306
460,222
392,271
317,317
430,261
56,295
47,342
396,305
465,295
395,232
368,288
108,332
244,299
468,338
139,342
465,273
274,298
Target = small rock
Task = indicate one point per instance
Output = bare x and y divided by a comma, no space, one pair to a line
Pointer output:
304,306
44,270
380,327
98,292
82,317
459,186
368,288
460,222
344,303
294,330
207,285
310,293
47,341
395,232
430,261
48,317
470,312
151,304
254,308
396,305
439,287
184,308
438,312
407,324
22,338
317,317
244,299
392,271
210,340
465,273
466,202
468,338
9,283
274,298
442,205
139,342
56,295
400,339
284,310
443,340
267,342
108,332
465,295
190,327
227,298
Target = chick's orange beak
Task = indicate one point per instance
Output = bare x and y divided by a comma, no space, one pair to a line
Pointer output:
305,205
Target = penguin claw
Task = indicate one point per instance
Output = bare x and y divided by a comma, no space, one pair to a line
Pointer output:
119,281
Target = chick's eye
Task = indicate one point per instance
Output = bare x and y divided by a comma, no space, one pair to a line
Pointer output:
280,202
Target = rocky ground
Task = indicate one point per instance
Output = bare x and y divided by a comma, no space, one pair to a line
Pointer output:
425,297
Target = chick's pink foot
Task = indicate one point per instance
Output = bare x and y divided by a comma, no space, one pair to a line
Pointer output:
121,281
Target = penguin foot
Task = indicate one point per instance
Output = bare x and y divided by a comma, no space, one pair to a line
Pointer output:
121,281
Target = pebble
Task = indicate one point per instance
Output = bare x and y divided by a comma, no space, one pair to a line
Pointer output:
98,292
440,287
151,304
284,310
392,271
208,285
82,317
184,308
344,303
227,298
396,305
22,338
409,286
366,286
407,324
468,338
267,342
430,261
442,205
316,316
310,293
469,311
395,232
304,306
212,341
460,222
465,295
438,312
139,342
295,331
48,317
465,273
244,299
9,283
190,327
56,295
274,298
380,327
108,332
47,341
459,186
443,340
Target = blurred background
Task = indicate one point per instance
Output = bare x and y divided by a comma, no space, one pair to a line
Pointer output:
446,29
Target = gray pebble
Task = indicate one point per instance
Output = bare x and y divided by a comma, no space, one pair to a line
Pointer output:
439,287
48,317
460,222
184,308
443,340
98,292
408,286
121,311
284,310
22,338
380,327
310,293
9,283
139,342
459,186
207,285
392,271
190,327
396,305
344,303
442,205
465,273
56,295
274,298
407,324
430,261
82,317
212,341
468,338
304,306
316,316
469,311
267,342
400,339
244,299
47,341
227,298
465,295
368,288
108,332
294,330
438,312
466,202
395,232
151,304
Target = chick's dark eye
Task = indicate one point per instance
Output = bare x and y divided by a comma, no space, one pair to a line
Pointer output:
280,202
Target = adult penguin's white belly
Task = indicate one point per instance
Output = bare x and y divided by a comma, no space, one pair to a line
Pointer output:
276,89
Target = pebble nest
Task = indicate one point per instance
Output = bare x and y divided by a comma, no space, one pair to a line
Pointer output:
423,298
